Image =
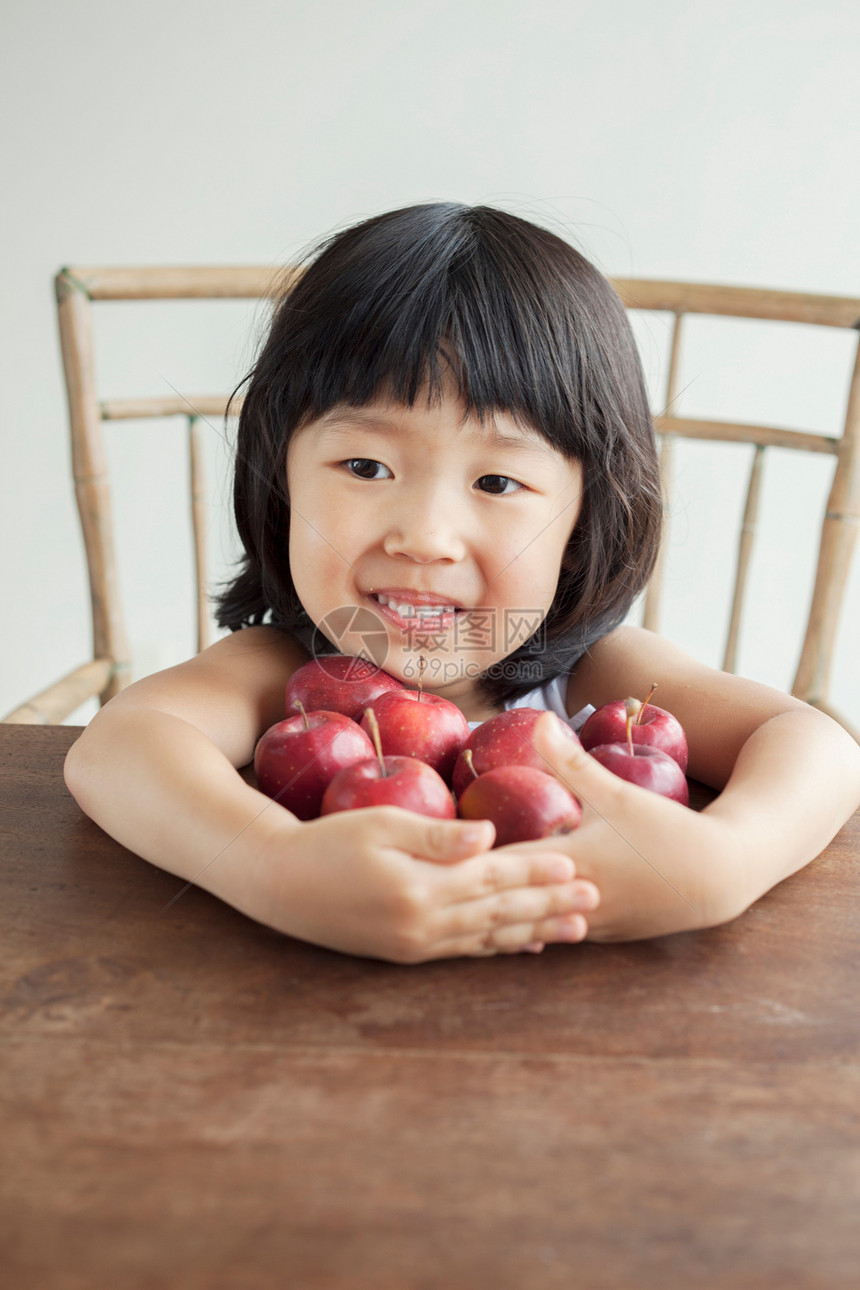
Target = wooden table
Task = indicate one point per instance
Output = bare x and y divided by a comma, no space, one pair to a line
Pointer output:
192,1100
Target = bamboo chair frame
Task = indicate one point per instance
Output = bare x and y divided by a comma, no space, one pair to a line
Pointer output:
110,668
839,526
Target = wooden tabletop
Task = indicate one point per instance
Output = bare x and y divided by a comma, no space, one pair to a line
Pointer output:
193,1100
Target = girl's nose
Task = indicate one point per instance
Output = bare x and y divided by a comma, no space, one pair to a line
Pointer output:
425,532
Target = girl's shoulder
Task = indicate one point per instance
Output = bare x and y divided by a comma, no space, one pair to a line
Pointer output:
628,661
254,651
232,691
718,711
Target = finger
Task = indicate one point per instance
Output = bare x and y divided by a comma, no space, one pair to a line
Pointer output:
565,929
506,869
595,786
440,841
527,907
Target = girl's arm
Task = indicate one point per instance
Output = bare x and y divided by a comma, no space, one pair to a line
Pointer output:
156,769
790,778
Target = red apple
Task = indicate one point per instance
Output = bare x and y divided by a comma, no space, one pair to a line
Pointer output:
415,724
504,740
399,781
295,759
523,803
646,766
652,726
338,683
389,781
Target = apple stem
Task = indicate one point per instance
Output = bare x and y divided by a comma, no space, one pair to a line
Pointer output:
467,758
647,701
297,703
377,741
422,663
632,707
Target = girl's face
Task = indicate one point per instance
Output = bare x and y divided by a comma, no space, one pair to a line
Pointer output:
419,532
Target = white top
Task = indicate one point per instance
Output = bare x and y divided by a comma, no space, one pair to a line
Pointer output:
549,698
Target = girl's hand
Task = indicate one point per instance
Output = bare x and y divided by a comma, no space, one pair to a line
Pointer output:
386,883
660,866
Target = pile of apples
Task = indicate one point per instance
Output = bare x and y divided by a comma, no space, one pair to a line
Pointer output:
361,738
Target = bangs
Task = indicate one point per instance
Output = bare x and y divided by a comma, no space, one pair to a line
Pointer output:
464,301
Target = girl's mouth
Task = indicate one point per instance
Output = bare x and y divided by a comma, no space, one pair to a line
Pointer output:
416,618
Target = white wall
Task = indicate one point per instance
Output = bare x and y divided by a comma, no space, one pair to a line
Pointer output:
669,139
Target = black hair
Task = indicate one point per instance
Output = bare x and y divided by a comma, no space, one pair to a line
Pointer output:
527,326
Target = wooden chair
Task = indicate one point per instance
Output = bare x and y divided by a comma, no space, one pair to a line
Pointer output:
839,525
77,290
110,668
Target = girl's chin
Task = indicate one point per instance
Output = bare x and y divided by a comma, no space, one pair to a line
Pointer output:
438,673
401,658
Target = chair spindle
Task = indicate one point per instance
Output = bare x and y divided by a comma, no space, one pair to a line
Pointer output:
198,521
745,544
653,594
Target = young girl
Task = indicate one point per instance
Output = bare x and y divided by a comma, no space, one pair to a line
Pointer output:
446,435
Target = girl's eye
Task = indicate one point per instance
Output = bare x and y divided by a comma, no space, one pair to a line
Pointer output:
364,467
498,485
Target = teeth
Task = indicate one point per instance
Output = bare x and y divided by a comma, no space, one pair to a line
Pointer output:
410,611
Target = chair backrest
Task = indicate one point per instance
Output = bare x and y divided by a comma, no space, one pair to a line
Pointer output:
839,526
78,289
